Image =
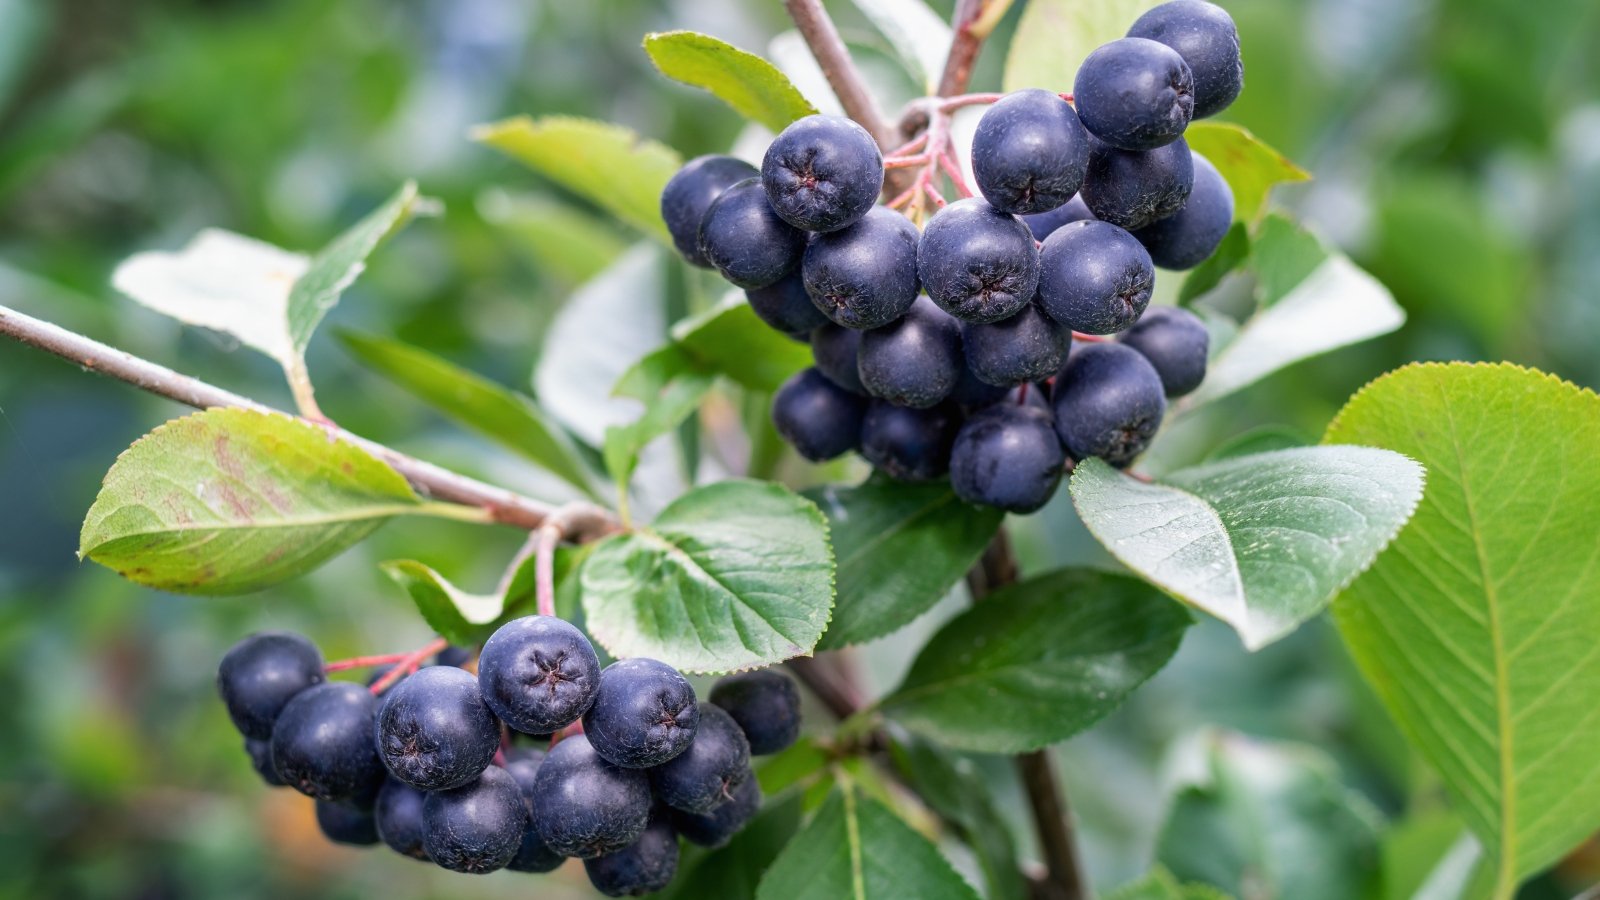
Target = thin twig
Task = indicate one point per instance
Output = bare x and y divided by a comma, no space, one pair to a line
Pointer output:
407,664
544,579
822,36
964,46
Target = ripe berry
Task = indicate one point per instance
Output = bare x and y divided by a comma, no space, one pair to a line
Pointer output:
689,194
1135,94
643,867
1095,278
972,393
533,854
822,173
644,715
1108,403
1185,239
434,730
322,744
398,816
700,778
915,360
865,275
538,673
453,656
835,351
586,807
1044,223
1205,36
909,444
1007,456
343,823
1175,342
978,263
720,825
817,417
1029,346
261,760
259,675
1132,188
1029,152
746,241
786,306
766,706
475,828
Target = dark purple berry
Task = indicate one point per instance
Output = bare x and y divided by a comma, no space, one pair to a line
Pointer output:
720,825
1095,278
586,807
434,731
746,241
766,706
1029,346
475,828
822,173
1175,342
644,715
1007,456
786,306
1108,403
817,417
909,444
322,743
978,263
260,674
702,777
864,275
344,823
1189,236
1132,188
398,816
643,867
913,361
690,193
1205,36
1135,94
1029,152
538,673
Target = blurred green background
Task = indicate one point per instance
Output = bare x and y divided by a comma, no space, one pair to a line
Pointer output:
1456,147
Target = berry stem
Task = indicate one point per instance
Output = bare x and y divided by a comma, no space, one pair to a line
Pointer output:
363,662
908,148
549,537
1090,338
408,663
951,104
952,168
905,162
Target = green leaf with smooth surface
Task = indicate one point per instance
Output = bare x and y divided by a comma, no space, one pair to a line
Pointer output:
1250,167
1274,822
1262,542
734,872
962,795
1054,37
674,403
900,548
751,85
730,576
1232,253
557,236
498,412
229,501
608,165
731,339
1038,662
1428,856
856,848
1477,628
921,39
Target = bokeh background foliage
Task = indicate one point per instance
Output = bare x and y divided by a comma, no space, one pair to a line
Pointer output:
1456,148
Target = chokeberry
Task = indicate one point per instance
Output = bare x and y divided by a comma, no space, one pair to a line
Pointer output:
538,673
585,806
909,444
398,816
690,193
1175,342
766,706
344,823
261,760
453,656
1186,238
1029,346
1007,456
1108,403
322,743
643,867
973,393
533,855
1074,210
259,675
475,828
644,715
978,263
746,241
817,417
717,827
913,361
700,778
836,351
1095,277
434,731
1205,36
864,275
1029,152
786,306
1132,188
822,173
1135,94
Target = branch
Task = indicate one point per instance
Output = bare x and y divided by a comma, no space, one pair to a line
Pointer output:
829,50
965,43
503,506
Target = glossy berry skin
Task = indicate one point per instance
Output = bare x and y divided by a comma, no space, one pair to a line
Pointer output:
1205,36
322,744
1132,188
643,867
533,854
1175,342
1029,346
434,731
700,778
690,193
538,674
258,676
822,173
1007,456
1029,152
746,241
720,825
835,350
786,306
972,393
766,706
398,816
343,823
453,656
1108,403
1135,94
909,444
1095,278
978,263
585,806
475,828
1042,224
914,361
864,275
645,714
1185,239
261,760
817,417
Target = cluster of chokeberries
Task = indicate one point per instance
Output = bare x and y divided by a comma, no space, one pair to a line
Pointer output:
976,348
427,765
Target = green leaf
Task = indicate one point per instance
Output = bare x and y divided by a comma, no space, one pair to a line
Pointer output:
1250,167
558,237
1055,36
1232,253
495,411
880,525
799,762
1262,542
1159,884
466,618
229,501
920,38
673,403
731,340
1038,662
960,794
751,85
731,576
1262,439
733,872
857,848
1428,856
1477,628
608,165
1271,821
